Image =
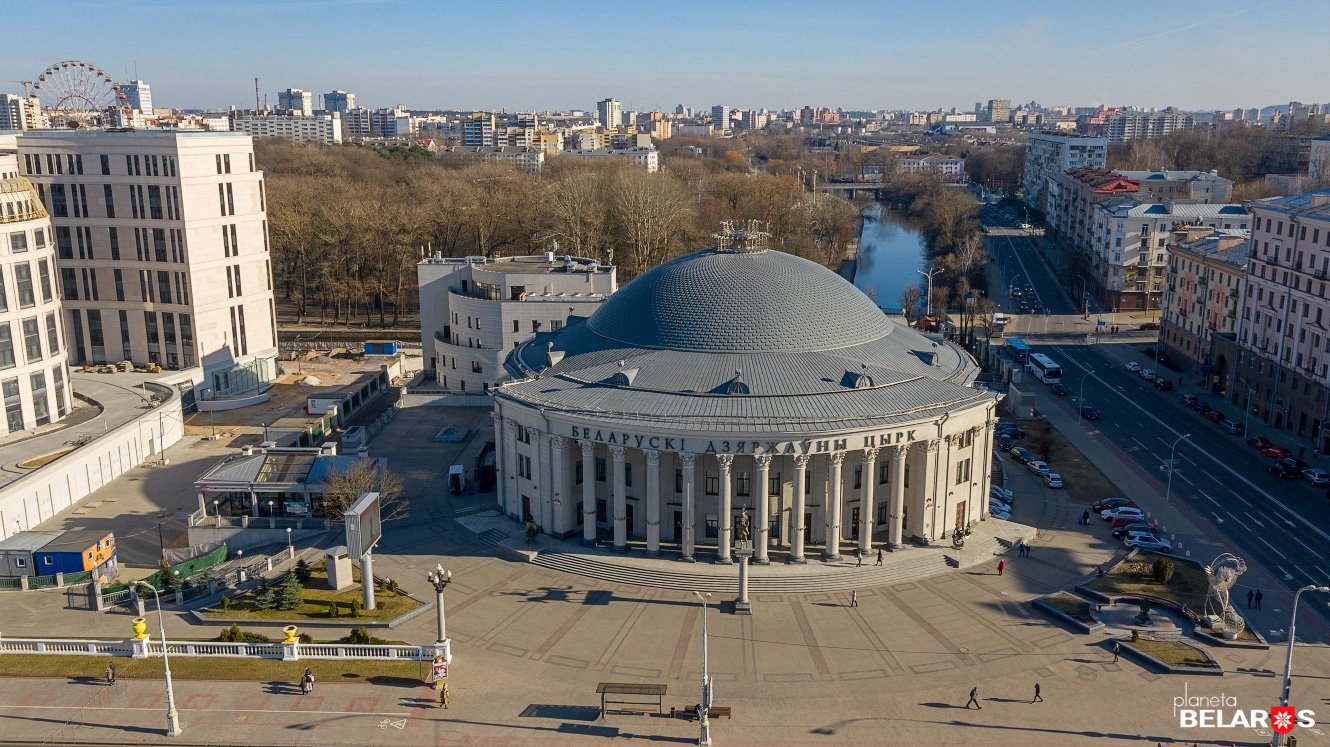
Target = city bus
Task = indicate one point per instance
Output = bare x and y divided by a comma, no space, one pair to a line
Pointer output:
1045,369
1019,350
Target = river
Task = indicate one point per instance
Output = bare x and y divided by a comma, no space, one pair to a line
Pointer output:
891,250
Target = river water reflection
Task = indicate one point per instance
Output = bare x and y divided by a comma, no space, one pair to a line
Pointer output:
891,249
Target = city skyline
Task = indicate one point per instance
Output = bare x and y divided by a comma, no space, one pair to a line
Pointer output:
1192,55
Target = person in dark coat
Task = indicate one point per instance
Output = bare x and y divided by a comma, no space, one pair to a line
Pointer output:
974,699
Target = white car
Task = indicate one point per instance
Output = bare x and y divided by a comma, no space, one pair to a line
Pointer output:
995,500
1151,543
1133,366
1053,480
1038,467
999,492
1316,476
1110,514
1148,374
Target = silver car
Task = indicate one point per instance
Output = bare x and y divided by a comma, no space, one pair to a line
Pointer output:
1151,543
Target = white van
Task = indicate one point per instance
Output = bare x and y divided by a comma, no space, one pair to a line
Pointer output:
456,479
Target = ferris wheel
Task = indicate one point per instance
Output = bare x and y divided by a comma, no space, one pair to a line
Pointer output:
75,94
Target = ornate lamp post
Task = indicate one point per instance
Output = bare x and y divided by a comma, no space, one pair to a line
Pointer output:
1288,660
439,579
1173,465
704,704
173,725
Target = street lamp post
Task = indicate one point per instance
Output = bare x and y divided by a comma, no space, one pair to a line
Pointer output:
439,579
1288,658
704,705
928,309
1080,402
1173,465
290,547
272,517
173,725
1246,406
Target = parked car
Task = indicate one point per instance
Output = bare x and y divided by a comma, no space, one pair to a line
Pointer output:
1232,426
1104,503
1089,413
1109,514
1316,476
1260,442
1295,463
1060,390
1153,544
1164,385
1001,492
1005,423
1021,454
1281,470
1276,452
1188,400
1121,532
1150,325
1148,374
1053,480
1000,513
1138,534
1123,521
1133,366
1005,443
1037,466
1215,416
1012,432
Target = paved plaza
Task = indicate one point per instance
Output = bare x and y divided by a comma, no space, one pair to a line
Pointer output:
532,643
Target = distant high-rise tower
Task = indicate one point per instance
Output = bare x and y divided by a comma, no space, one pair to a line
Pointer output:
296,100
609,112
338,101
720,118
138,94
999,110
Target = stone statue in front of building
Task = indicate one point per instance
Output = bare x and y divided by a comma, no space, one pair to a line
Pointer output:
741,528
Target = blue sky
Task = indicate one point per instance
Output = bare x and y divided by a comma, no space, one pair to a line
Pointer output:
853,54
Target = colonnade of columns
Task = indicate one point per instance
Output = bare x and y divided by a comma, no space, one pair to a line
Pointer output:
546,492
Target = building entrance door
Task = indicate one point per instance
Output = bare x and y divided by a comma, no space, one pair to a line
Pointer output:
526,508
960,516
629,520
808,528
678,526
854,523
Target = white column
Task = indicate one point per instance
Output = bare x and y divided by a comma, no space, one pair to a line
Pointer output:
723,543
935,487
985,479
540,510
500,465
653,501
620,502
513,501
687,462
797,510
896,507
762,521
558,489
833,504
867,500
588,491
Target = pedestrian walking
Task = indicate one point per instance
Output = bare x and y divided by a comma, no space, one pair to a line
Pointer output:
1028,548
858,558
974,699
110,674
879,556
443,696
307,682
1117,650
1037,697
1250,592
1086,517
1258,598
854,598
1002,566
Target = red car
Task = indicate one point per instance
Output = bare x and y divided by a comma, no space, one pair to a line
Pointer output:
1276,452
1214,416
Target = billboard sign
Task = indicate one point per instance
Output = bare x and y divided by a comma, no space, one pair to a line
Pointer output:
363,525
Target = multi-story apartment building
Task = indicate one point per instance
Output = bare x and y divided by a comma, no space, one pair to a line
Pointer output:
643,157
296,100
947,167
161,240
34,374
1124,126
339,101
388,122
609,112
478,132
1280,354
530,160
998,111
21,113
312,128
138,95
720,119
1205,279
1127,246
474,311
1048,154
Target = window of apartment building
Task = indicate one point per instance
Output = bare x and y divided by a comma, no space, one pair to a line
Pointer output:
230,200
13,404
52,333
23,283
244,338
108,195
263,198
177,246
4,297
628,474
164,286
182,290
221,197
145,287
475,367
44,279
113,238
81,208
600,469
84,236
69,284
267,267
517,326
172,351
159,244
187,340
59,201
140,250
154,202
61,403
32,340
962,471
77,318
6,347
712,483
95,336
106,164
153,335
40,408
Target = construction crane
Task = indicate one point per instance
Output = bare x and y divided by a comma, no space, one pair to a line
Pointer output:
25,84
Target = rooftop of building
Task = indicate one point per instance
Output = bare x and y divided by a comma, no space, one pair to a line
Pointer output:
529,264
1226,246
1102,179
280,466
125,133
1172,176
1132,207
1314,205
27,541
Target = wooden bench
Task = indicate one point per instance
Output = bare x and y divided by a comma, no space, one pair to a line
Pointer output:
691,711
657,692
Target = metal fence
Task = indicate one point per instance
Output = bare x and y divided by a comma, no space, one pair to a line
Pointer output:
78,647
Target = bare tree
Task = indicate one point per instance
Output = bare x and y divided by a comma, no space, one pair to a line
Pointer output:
345,487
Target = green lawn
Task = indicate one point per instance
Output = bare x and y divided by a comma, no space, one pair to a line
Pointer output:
318,602
220,668
1072,605
1188,585
1174,653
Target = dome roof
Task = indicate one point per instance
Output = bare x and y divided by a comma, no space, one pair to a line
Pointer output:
740,301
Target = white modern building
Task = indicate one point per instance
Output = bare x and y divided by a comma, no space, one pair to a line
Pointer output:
1119,128
720,118
609,112
1048,154
34,375
307,128
20,113
743,382
530,160
339,101
161,240
645,158
138,94
296,100
950,168
474,311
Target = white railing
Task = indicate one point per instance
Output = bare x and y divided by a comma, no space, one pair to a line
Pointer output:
80,647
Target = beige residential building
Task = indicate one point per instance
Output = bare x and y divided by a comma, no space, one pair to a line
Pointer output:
1205,279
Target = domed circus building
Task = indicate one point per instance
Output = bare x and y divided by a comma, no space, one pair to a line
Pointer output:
743,379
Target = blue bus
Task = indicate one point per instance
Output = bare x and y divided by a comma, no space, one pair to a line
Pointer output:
1019,350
